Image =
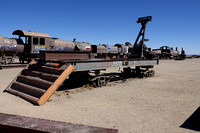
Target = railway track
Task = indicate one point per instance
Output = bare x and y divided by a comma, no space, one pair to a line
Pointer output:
10,66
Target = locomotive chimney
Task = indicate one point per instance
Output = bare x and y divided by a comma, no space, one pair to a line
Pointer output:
127,43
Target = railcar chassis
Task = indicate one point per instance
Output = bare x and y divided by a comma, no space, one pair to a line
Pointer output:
83,63
41,78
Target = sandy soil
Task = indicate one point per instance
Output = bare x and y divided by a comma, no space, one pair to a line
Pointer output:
157,104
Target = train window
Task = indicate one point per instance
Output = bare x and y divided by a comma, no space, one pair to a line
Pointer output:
42,41
35,41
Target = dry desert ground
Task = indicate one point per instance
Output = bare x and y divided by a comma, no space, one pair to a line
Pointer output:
159,104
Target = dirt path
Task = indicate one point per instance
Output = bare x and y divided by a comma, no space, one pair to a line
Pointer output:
157,104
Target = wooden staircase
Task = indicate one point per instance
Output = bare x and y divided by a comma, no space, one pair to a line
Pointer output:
37,82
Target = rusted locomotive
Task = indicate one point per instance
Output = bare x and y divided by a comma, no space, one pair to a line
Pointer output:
29,43
9,49
166,52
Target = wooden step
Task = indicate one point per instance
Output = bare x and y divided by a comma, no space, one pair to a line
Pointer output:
27,89
42,75
52,64
24,96
34,81
37,83
55,85
45,69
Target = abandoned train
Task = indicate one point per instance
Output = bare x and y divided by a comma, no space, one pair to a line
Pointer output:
166,52
29,43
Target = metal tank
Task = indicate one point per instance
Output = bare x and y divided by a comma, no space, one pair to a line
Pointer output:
9,46
82,46
122,49
113,50
9,49
100,49
156,53
61,45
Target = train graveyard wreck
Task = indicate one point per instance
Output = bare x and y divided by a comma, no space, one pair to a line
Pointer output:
43,76
38,81
29,43
166,52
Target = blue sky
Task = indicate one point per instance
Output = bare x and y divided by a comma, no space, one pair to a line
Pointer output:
174,23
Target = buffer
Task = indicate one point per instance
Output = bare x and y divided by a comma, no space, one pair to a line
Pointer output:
38,81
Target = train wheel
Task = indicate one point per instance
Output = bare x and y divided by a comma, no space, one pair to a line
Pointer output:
114,57
125,56
107,57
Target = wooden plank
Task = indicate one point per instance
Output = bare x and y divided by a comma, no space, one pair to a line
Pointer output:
55,85
34,81
44,76
22,124
37,92
23,95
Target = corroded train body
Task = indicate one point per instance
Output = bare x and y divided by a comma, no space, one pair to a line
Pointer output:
29,43
9,49
166,52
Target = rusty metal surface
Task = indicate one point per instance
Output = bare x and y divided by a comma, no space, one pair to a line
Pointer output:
63,45
63,55
100,60
22,124
45,69
101,64
85,66
12,66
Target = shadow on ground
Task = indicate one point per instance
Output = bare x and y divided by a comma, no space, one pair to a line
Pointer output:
193,122
78,80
